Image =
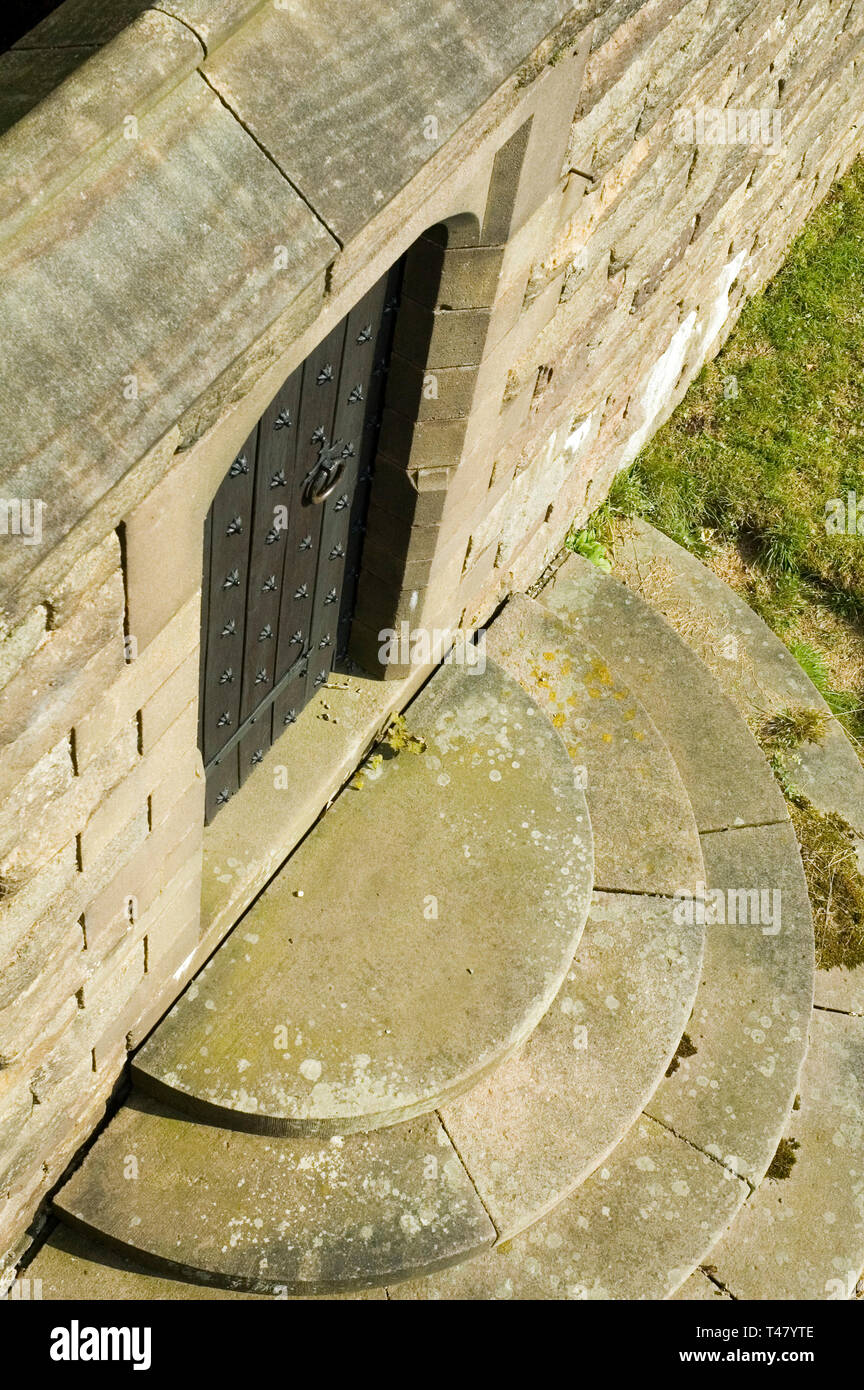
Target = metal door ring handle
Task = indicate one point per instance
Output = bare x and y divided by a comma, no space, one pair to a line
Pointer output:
324,481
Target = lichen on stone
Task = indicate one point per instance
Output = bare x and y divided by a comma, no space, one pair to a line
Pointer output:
400,740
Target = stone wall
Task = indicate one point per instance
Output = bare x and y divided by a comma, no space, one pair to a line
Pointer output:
635,279
579,252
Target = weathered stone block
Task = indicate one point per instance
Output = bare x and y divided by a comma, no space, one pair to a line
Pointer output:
462,278
422,444
66,675
443,394
18,645
138,681
440,337
169,701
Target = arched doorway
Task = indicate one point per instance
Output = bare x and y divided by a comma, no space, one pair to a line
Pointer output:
282,544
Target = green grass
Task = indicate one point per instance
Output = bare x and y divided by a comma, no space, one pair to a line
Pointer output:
759,466
770,431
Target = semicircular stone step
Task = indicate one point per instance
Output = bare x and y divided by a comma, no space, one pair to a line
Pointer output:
732,1096
272,1214
644,1219
534,1128
71,1265
654,1210
645,835
412,942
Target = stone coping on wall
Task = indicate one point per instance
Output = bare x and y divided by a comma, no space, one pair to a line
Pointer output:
205,171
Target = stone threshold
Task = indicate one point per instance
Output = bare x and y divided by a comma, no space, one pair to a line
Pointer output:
264,822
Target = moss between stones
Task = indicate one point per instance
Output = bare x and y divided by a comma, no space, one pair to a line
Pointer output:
685,1048
784,1160
827,844
836,887
790,728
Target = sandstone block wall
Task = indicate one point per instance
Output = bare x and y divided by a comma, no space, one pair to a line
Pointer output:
635,278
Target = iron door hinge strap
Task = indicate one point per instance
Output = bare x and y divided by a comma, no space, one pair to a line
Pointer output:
269,699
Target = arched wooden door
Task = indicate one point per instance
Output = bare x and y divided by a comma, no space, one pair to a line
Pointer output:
282,544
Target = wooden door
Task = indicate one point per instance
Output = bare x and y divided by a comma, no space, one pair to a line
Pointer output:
282,545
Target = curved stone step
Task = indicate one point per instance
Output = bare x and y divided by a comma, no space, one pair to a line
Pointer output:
749,1026
746,658
645,835
278,1215
641,1224
761,676
722,767
801,1235
70,1266
414,939
534,1128
636,1229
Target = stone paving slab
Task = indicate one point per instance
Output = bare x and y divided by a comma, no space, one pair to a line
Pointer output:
732,1096
547,1117
635,1230
842,989
271,1215
802,1236
69,1266
415,938
645,836
722,767
747,659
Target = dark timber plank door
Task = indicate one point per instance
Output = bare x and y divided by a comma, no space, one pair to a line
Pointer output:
282,545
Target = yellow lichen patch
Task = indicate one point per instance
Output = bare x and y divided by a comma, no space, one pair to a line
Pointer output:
541,677
629,714
607,738
400,740
372,764
599,671
559,720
